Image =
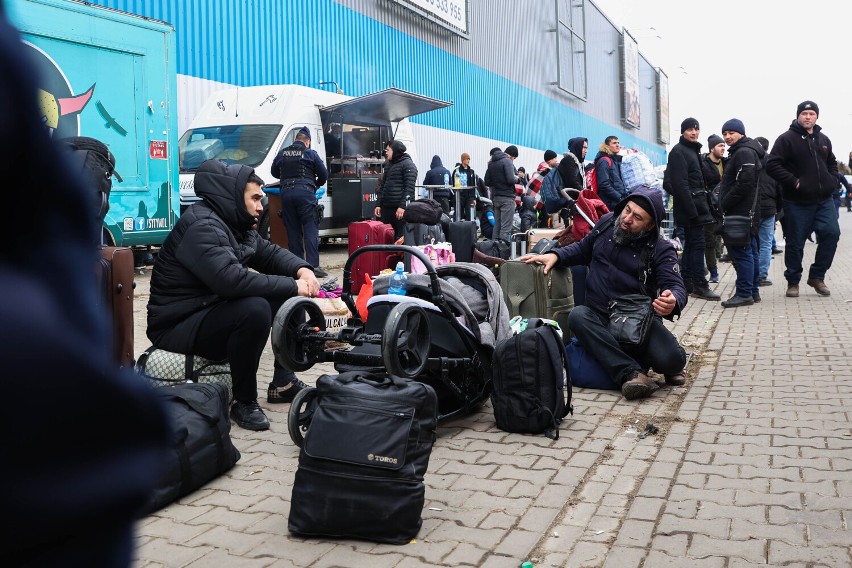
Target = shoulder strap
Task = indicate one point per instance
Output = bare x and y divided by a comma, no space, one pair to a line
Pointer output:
602,226
647,266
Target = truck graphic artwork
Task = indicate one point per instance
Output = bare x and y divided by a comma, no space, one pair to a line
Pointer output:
111,75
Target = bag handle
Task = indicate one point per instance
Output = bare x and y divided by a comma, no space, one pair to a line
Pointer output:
371,379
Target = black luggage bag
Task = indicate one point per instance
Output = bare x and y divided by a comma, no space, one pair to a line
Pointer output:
462,235
363,459
201,441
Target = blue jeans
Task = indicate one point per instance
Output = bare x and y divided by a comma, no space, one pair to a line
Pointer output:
692,260
298,211
745,262
765,242
799,221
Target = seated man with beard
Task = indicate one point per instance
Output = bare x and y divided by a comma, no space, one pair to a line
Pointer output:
616,264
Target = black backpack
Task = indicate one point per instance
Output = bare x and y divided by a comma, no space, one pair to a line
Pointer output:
494,247
529,374
95,164
426,211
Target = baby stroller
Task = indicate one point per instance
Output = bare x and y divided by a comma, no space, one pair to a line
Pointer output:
442,333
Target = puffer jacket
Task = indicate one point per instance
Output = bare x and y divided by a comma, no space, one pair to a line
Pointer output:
398,181
611,188
500,175
806,159
684,180
614,269
435,176
739,181
207,257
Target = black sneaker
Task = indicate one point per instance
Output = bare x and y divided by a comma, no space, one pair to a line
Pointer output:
319,272
764,282
287,393
249,415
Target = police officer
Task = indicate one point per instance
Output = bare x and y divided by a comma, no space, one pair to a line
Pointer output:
301,172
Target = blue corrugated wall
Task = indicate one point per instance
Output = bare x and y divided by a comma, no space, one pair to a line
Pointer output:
255,42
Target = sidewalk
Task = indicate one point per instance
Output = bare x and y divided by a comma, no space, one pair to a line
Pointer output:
752,464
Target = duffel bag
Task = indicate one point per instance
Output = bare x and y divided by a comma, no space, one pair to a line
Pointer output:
201,447
166,369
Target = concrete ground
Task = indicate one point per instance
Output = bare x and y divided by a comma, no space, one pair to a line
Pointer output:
752,464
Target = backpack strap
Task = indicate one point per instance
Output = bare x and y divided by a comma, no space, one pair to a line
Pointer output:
646,271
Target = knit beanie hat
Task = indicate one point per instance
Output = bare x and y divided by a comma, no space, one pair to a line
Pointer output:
807,105
465,156
549,155
512,151
714,140
687,124
305,132
734,125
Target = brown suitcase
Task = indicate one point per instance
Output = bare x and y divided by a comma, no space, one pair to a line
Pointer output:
115,275
535,235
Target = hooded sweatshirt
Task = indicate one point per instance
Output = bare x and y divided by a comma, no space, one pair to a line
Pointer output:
614,269
209,256
435,176
571,166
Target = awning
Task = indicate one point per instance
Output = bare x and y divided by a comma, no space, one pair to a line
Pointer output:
381,108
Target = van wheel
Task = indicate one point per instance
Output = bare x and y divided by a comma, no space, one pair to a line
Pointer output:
263,225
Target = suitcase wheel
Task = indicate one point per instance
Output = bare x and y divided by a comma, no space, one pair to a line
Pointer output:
291,329
300,414
406,339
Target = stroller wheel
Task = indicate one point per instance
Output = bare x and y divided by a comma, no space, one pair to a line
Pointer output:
300,414
296,317
406,340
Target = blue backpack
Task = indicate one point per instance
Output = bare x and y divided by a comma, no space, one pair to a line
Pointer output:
549,192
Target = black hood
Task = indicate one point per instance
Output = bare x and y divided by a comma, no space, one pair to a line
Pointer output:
222,188
575,146
799,129
436,162
745,141
650,199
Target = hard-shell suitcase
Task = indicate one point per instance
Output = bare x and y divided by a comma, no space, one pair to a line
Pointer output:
363,458
535,235
361,234
531,293
115,274
416,234
462,235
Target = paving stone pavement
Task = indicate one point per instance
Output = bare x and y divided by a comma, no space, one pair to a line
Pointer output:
752,464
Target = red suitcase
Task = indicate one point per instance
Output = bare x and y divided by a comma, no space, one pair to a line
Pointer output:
115,275
363,233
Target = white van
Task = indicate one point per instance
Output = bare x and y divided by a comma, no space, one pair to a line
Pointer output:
250,125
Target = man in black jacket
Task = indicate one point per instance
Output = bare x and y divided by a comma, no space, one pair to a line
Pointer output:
397,187
771,203
217,285
501,176
712,166
803,163
739,196
685,182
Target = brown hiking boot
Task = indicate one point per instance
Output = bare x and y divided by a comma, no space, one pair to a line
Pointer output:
640,386
819,286
792,290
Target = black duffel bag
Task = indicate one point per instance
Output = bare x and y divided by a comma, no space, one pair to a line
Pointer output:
363,458
201,441
426,211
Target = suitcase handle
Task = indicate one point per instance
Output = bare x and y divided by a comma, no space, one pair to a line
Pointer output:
371,379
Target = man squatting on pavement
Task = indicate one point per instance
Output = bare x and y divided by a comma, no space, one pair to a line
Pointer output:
615,262
205,299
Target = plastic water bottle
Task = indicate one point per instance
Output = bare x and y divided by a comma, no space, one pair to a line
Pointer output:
398,281
447,179
463,178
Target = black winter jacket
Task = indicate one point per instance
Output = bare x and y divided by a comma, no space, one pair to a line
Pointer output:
207,258
771,199
398,182
614,269
739,182
435,176
806,159
684,180
500,175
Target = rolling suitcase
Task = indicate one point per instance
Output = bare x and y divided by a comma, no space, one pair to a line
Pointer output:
416,234
531,293
462,235
363,458
115,275
361,234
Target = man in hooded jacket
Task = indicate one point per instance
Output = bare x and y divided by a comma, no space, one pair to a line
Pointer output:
217,285
501,176
435,176
803,164
397,188
615,259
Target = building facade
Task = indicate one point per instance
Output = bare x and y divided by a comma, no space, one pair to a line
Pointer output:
533,73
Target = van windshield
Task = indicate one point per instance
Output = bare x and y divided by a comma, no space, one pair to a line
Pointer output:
233,144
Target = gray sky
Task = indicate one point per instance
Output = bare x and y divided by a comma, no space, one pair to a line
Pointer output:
755,60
